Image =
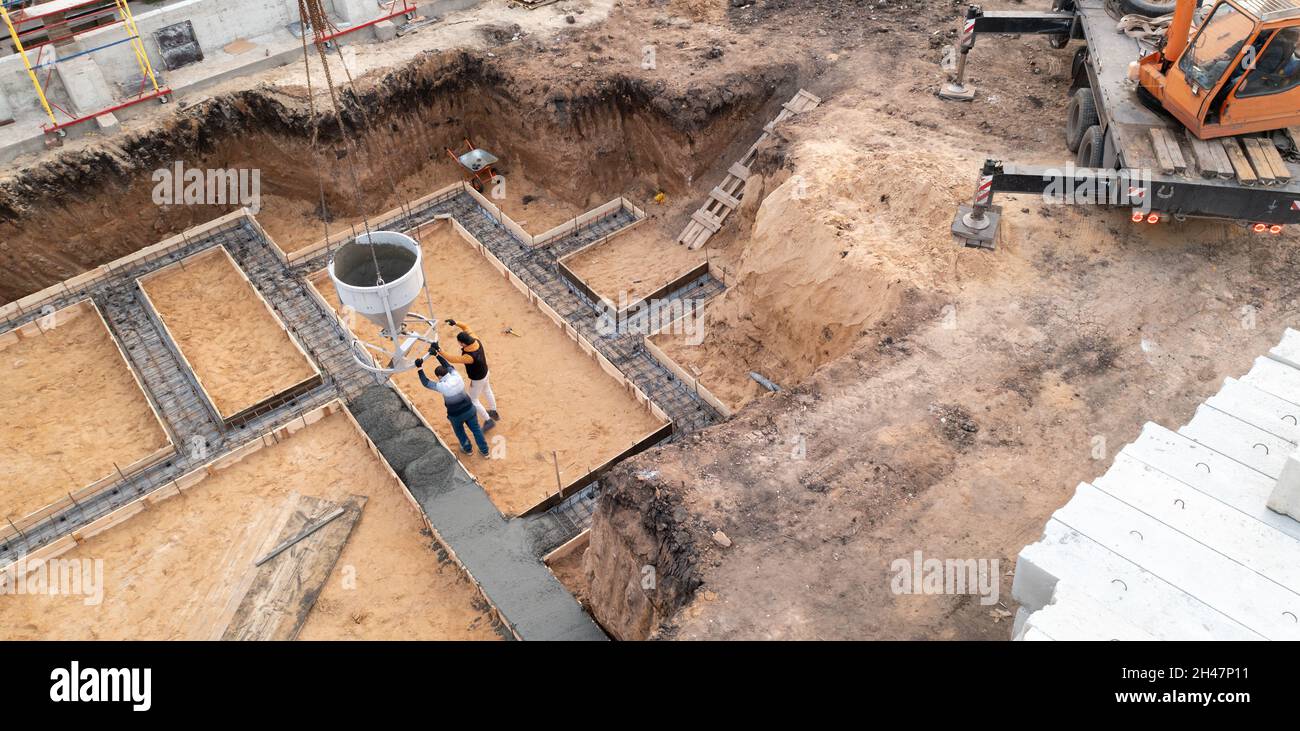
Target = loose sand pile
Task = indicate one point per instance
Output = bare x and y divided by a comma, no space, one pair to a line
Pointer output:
70,410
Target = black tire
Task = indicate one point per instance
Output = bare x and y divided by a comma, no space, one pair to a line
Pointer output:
1091,148
1149,8
1079,116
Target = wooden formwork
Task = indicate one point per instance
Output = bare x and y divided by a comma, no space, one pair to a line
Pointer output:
176,487
347,233
43,327
725,198
92,277
246,412
190,479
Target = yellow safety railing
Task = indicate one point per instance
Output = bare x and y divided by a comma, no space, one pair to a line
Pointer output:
137,45
133,34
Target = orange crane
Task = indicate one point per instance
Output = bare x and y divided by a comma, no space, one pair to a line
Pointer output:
1196,122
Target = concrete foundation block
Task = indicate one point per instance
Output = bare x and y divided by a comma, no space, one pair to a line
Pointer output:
1288,351
1233,437
356,11
106,122
385,30
1285,498
1159,608
84,81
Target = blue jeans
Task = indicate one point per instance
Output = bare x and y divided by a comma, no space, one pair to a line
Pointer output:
458,424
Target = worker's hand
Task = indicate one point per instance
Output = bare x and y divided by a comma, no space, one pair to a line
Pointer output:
419,362
452,323
434,347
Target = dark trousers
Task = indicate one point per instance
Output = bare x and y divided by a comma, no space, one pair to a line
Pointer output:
470,419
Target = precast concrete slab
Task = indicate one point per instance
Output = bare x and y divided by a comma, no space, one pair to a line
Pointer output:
1187,535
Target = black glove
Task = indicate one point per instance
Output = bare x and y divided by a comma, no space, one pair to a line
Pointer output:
452,323
419,362
434,347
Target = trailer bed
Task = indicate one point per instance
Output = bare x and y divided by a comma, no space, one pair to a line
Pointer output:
1130,123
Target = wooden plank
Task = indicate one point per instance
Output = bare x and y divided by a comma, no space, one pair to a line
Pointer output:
1280,169
1206,161
1175,149
284,589
701,218
721,196
1263,168
1245,173
1164,158
738,170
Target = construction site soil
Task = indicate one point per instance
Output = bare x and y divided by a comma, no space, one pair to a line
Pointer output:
239,351
71,412
174,570
552,397
933,398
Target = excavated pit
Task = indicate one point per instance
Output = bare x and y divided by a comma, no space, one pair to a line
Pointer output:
562,151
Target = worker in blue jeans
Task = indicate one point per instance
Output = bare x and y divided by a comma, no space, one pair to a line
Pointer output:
460,407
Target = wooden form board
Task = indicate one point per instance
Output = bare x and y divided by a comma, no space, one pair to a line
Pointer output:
179,485
687,379
247,411
569,547
281,592
347,233
726,197
104,272
42,327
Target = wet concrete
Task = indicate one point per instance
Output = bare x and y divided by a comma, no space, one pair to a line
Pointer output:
501,555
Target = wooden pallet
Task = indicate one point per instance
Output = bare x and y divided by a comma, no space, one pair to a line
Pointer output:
726,197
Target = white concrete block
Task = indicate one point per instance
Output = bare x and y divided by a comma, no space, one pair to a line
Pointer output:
1268,412
1213,579
356,11
1075,616
1287,351
385,30
1197,465
84,81
1148,602
1250,540
1032,634
1285,498
1275,377
1234,438
106,122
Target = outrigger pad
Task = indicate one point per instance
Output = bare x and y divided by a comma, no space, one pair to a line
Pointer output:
984,237
957,92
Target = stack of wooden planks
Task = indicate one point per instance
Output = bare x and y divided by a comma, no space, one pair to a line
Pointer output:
725,198
1251,160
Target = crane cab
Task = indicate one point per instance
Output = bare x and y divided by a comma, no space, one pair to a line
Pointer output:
1239,73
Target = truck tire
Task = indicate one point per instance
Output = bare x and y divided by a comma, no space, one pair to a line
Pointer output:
1149,8
1091,148
1079,116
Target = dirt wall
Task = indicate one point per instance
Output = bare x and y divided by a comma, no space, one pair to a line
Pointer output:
598,136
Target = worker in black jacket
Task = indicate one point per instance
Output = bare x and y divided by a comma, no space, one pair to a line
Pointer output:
474,358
